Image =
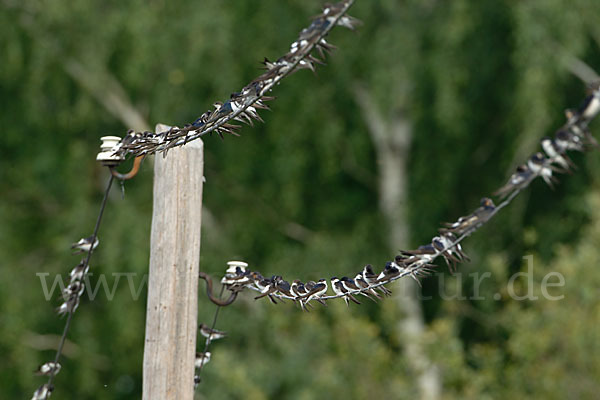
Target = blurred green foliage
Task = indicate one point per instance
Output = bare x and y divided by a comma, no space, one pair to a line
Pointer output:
480,81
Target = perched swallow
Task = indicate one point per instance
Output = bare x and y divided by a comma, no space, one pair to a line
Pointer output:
314,291
74,288
478,217
299,292
538,165
518,180
270,288
298,289
590,107
566,139
440,244
362,283
557,153
262,283
584,133
69,306
314,30
371,278
389,272
223,109
85,245
197,381
369,275
403,261
202,359
426,252
211,334
79,271
43,392
339,289
268,64
284,288
449,241
350,285
48,369
330,9
201,120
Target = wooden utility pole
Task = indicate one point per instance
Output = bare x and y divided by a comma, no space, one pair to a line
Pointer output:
172,310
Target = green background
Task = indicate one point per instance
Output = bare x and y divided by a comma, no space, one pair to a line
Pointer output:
479,82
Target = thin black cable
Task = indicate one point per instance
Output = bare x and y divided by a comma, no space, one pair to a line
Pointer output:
212,327
87,262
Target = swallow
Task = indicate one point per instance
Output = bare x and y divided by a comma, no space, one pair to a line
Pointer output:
584,133
284,288
69,306
518,180
270,288
426,252
331,12
299,291
298,44
48,369
268,65
201,120
371,278
249,114
557,154
211,334
223,109
85,245
256,278
315,290
43,392
339,289
351,286
440,244
389,272
366,289
260,282
472,221
538,165
79,271
590,107
74,288
449,241
197,381
566,139
201,359
314,30
403,261
330,9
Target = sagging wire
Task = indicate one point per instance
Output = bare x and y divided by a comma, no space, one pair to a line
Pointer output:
243,106
574,135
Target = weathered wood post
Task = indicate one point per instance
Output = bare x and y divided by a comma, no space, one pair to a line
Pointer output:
172,309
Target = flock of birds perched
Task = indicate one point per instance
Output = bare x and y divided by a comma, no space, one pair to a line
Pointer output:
243,106
574,135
